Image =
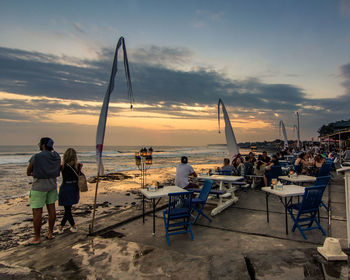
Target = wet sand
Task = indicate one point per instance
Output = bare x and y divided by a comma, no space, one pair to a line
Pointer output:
117,192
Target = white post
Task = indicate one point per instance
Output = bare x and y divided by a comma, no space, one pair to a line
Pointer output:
346,172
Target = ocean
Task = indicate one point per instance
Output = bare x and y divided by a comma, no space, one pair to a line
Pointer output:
14,160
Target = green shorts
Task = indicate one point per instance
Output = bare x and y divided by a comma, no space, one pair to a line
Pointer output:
39,199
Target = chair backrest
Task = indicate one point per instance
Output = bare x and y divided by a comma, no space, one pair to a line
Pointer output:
275,171
203,195
297,168
249,168
322,181
180,200
283,164
311,199
225,172
325,169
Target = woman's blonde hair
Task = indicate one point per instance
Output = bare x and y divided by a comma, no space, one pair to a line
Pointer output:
70,158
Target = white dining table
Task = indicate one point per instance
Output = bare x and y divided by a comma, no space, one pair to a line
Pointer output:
223,201
153,195
300,179
286,197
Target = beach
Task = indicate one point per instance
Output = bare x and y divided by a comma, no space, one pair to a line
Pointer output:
117,191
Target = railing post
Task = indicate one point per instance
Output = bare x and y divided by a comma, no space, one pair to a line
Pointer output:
346,172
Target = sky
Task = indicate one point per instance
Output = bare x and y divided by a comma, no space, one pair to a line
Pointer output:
266,59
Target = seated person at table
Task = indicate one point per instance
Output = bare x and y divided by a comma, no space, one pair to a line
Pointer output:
298,164
227,167
183,170
279,156
251,158
346,154
249,164
302,164
318,162
265,158
238,164
274,162
259,167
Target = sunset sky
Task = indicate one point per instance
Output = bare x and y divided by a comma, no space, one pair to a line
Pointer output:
266,59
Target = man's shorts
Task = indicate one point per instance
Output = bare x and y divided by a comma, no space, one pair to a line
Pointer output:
39,199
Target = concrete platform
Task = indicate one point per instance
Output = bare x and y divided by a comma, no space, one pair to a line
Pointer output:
237,244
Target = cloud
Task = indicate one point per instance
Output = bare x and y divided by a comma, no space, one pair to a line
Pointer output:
78,27
344,7
165,56
205,17
158,87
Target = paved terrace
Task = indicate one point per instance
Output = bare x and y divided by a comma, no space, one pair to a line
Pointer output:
237,244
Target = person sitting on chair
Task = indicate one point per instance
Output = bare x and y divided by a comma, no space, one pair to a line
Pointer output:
274,162
183,170
226,168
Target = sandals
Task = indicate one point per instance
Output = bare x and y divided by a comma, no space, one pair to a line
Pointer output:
60,230
74,229
29,243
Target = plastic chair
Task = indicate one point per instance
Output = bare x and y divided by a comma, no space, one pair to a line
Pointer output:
297,168
274,172
225,172
307,210
283,164
323,181
325,169
201,200
177,216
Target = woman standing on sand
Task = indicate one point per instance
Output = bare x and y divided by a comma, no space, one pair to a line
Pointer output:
69,190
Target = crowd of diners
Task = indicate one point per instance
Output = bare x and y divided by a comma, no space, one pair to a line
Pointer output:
306,161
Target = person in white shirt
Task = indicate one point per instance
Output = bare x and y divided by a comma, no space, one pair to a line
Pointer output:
346,155
183,170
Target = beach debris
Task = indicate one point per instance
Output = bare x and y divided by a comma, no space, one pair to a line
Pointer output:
112,234
110,177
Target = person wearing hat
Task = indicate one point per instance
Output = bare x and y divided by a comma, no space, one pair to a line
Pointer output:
45,168
183,170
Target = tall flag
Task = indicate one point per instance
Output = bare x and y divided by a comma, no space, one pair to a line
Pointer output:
100,134
230,136
283,128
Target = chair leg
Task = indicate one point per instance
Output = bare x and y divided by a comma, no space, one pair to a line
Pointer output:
320,227
166,229
190,229
324,205
200,212
302,232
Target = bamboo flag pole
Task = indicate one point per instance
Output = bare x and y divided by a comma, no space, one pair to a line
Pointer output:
91,226
101,127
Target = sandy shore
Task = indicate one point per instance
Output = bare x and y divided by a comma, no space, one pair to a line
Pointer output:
116,193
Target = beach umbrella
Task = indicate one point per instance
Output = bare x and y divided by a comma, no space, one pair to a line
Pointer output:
230,136
100,134
283,128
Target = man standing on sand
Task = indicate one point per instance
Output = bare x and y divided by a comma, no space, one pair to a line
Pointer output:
183,170
45,168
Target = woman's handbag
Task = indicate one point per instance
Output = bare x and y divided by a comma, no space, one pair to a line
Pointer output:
82,182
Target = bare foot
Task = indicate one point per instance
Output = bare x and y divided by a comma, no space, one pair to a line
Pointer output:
50,235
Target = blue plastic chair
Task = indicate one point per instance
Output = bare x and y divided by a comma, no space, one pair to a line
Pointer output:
323,181
325,169
297,168
274,172
283,164
200,201
225,172
177,216
307,210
